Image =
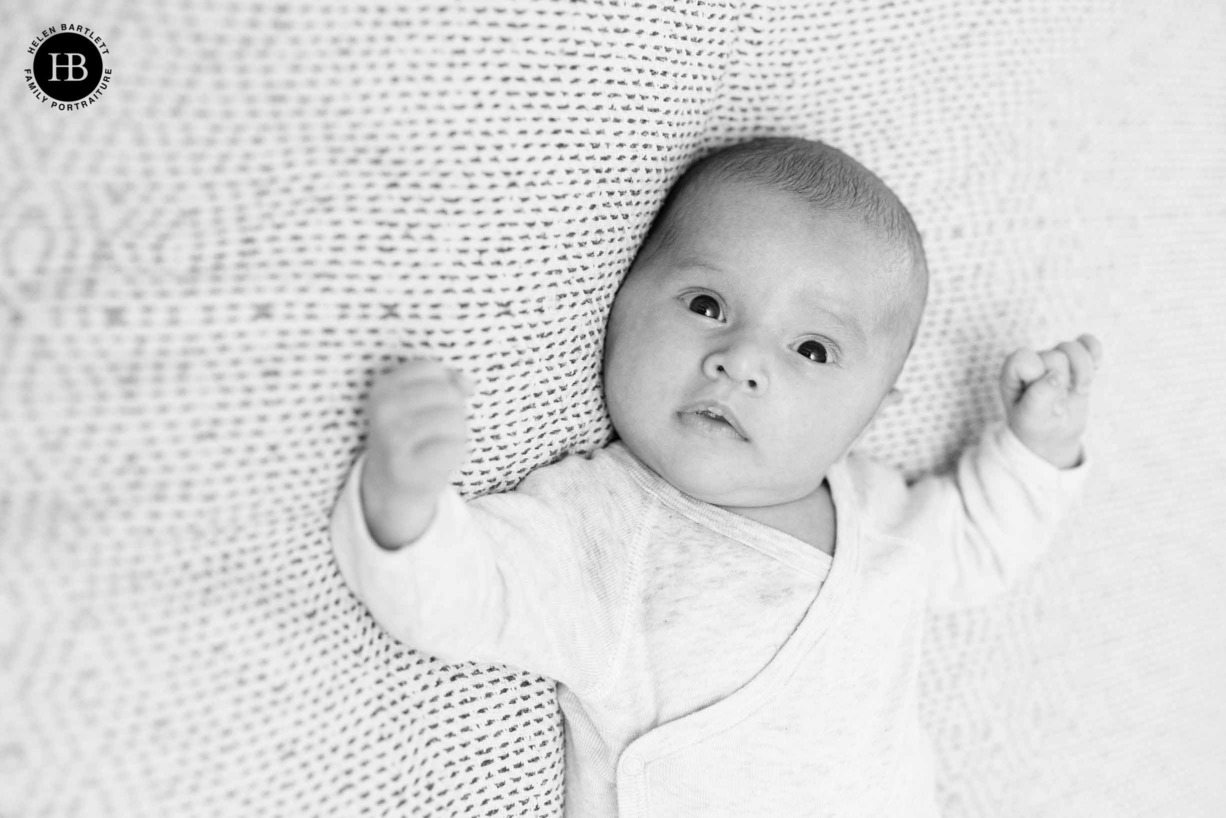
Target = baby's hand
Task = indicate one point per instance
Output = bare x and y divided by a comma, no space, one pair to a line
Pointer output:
1047,395
417,440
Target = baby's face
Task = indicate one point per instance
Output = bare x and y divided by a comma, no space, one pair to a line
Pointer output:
744,357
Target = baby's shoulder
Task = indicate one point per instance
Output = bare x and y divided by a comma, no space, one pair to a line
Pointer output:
593,503
582,469
585,483
881,492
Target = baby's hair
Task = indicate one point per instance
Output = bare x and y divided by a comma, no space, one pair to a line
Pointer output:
827,179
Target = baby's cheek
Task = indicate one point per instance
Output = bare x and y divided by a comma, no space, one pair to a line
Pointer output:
788,438
824,425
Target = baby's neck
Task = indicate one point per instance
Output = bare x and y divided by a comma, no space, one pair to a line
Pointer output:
809,519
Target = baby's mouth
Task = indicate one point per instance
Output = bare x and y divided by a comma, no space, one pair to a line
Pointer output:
713,419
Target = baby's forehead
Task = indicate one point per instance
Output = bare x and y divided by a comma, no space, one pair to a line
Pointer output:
897,278
894,261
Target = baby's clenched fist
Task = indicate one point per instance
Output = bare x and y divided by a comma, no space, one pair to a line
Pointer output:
417,440
1046,396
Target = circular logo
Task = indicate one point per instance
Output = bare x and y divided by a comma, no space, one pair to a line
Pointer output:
68,67
68,71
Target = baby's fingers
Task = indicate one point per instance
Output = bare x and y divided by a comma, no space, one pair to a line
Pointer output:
419,384
438,422
1093,345
1048,393
463,381
1056,363
1022,368
1083,357
1071,365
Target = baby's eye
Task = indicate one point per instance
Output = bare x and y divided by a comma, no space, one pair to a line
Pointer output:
815,351
706,305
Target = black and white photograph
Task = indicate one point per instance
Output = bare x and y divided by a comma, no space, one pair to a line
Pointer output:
612,409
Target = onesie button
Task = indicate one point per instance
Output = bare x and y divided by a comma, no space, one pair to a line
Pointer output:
632,764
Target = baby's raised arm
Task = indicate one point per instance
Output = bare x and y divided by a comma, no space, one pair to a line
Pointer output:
508,578
417,440
987,522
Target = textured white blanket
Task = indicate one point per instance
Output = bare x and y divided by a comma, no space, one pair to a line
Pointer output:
201,272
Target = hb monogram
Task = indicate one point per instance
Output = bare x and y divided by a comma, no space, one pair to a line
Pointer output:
71,65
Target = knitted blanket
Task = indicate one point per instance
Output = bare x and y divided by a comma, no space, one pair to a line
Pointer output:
202,271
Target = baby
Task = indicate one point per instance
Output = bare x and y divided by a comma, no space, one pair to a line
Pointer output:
731,603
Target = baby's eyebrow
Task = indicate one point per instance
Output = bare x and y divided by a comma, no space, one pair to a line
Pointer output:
689,264
845,320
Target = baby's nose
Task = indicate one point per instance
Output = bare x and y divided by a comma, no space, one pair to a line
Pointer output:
739,364
752,383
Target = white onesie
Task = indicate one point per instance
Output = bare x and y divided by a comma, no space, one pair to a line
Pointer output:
709,665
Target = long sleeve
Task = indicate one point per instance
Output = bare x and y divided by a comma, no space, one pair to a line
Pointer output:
523,578
984,525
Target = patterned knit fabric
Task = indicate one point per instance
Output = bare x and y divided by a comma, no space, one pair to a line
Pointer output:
201,273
